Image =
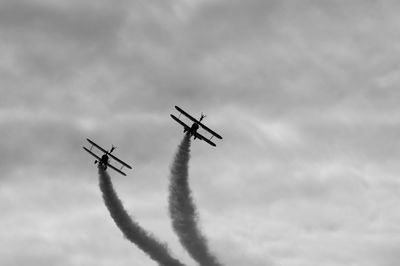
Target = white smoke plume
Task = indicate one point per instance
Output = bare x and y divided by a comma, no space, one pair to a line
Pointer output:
131,229
183,210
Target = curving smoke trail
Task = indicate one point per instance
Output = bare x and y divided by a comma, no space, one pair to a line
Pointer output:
183,210
132,230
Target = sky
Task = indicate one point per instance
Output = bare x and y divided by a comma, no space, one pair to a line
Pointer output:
304,94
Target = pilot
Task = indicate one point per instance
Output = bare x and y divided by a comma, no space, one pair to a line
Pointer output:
104,161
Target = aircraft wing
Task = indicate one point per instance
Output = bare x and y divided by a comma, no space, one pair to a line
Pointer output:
103,150
180,122
199,136
197,121
186,114
89,151
97,146
209,130
116,169
120,161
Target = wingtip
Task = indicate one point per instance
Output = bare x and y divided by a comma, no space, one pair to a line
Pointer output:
178,108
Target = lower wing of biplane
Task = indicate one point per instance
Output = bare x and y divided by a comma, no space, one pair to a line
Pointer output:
199,136
186,127
90,151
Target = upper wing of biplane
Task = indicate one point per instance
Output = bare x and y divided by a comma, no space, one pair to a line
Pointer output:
186,114
97,146
197,121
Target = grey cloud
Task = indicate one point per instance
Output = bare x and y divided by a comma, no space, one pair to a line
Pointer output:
238,255
52,40
304,94
39,144
84,23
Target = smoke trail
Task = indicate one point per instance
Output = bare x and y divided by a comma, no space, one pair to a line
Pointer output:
183,210
132,230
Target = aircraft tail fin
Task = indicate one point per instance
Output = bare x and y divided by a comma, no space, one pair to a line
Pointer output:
202,116
112,148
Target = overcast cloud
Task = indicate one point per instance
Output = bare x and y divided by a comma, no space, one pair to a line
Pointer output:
305,94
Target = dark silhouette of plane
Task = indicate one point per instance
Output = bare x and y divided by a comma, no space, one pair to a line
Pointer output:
195,126
104,160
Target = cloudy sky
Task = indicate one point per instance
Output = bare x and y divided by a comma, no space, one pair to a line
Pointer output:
305,93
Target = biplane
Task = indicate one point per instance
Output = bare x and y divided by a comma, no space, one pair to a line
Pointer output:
195,126
104,160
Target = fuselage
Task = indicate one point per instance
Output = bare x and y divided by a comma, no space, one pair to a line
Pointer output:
195,126
104,159
194,129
